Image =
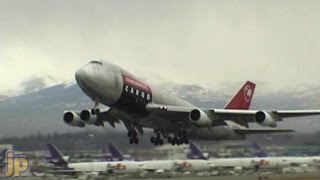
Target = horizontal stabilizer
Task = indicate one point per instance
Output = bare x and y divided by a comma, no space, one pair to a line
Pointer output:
261,131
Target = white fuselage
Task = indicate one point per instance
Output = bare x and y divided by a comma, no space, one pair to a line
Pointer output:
117,167
265,162
193,165
128,95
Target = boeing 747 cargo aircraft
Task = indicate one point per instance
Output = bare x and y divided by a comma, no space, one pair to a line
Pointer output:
140,105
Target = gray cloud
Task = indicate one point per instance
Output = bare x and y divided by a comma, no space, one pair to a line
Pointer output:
203,42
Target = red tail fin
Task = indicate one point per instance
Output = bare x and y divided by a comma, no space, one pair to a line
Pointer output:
243,98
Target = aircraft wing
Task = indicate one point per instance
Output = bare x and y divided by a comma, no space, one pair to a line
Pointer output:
169,112
177,113
109,117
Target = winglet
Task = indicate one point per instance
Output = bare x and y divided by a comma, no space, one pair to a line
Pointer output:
242,99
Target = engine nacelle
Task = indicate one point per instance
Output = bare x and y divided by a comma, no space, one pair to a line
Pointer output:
87,116
72,118
265,119
200,118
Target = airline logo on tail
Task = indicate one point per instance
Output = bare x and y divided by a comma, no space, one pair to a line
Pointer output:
248,93
242,99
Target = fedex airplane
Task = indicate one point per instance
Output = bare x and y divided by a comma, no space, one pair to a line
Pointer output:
261,161
140,105
161,166
61,165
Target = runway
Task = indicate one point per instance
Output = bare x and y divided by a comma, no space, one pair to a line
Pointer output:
293,176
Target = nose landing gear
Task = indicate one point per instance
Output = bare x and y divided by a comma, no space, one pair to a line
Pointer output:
95,110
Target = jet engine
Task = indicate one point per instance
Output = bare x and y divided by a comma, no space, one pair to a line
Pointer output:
72,118
265,119
88,117
200,118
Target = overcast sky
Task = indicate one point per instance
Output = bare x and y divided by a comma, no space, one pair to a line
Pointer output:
194,42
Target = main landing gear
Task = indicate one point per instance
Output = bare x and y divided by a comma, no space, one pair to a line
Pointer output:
133,139
157,140
179,138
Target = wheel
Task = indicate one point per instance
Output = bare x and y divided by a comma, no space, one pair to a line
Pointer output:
134,134
158,139
136,141
152,139
169,139
173,143
175,139
156,143
131,141
186,141
160,142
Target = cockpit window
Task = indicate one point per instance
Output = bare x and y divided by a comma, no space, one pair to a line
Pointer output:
96,62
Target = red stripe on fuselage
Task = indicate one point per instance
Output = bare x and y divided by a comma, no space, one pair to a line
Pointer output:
135,83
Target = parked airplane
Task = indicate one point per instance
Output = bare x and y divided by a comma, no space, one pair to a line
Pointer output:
162,166
287,160
261,161
167,166
228,164
126,167
140,105
106,167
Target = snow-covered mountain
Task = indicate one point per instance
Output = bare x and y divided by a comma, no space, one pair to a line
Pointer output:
39,106
31,84
36,83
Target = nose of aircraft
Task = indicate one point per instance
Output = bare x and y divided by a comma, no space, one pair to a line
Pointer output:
80,75
87,77
83,77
